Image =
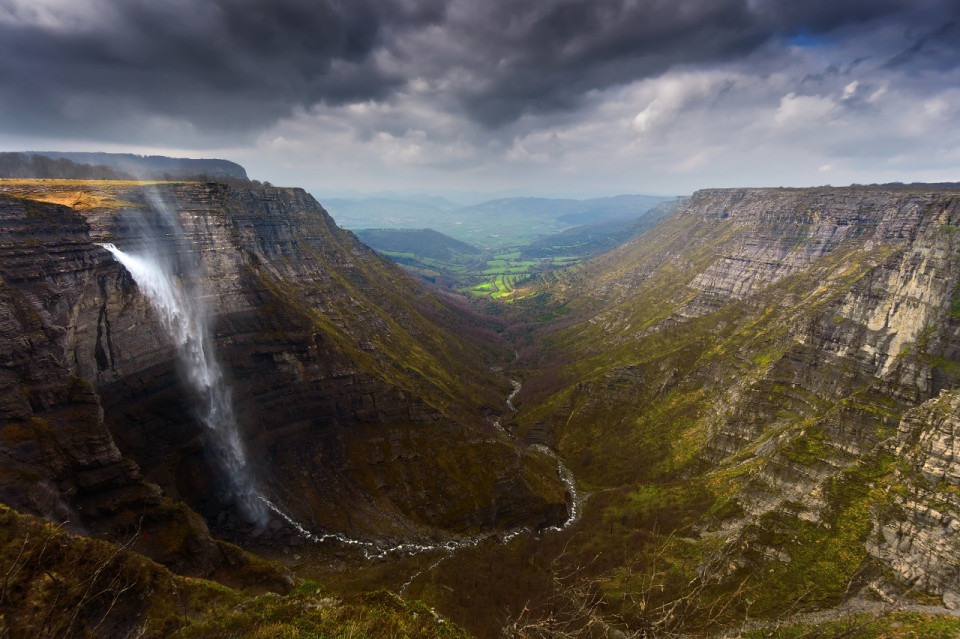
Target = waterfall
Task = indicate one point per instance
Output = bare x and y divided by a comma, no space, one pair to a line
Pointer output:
184,317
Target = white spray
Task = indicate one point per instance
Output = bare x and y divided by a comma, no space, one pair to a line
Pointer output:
184,317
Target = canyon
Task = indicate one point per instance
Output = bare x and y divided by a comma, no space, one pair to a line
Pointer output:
758,399
366,419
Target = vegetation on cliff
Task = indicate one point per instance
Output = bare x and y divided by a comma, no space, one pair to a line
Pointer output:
759,397
735,385
60,585
333,352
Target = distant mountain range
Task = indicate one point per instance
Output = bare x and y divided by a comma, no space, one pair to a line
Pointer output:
490,224
589,239
420,242
494,270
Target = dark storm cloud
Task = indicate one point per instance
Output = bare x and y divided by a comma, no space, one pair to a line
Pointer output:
232,66
937,49
572,47
566,49
227,65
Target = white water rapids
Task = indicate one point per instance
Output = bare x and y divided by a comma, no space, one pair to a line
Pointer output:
185,319
516,389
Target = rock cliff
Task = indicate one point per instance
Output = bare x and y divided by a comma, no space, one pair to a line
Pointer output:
60,460
364,413
791,357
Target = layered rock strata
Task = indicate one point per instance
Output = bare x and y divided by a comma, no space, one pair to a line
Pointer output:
361,412
798,352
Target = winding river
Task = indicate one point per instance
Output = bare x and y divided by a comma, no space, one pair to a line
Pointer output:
373,551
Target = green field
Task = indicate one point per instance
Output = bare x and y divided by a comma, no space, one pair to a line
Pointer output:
504,272
502,286
498,276
500,270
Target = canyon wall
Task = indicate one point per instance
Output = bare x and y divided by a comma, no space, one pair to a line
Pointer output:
361,410
792,354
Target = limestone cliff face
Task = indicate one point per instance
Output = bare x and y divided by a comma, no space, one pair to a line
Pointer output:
918,534
48,261
60,460
795,351
875,310
361,411
779,233
861,390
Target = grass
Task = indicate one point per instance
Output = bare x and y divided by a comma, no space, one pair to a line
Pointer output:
639,392
899,625
60,585
808,447
506,280
56,584
81,183
77,194
483,276
311,612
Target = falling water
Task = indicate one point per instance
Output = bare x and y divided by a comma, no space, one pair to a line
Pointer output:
185,319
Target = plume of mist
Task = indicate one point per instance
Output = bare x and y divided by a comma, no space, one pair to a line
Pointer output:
171,278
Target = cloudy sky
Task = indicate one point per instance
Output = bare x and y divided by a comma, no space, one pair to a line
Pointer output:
538,96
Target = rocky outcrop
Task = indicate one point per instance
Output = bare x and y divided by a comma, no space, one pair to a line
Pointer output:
52,418
113,166
879,339
917,533
782,232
